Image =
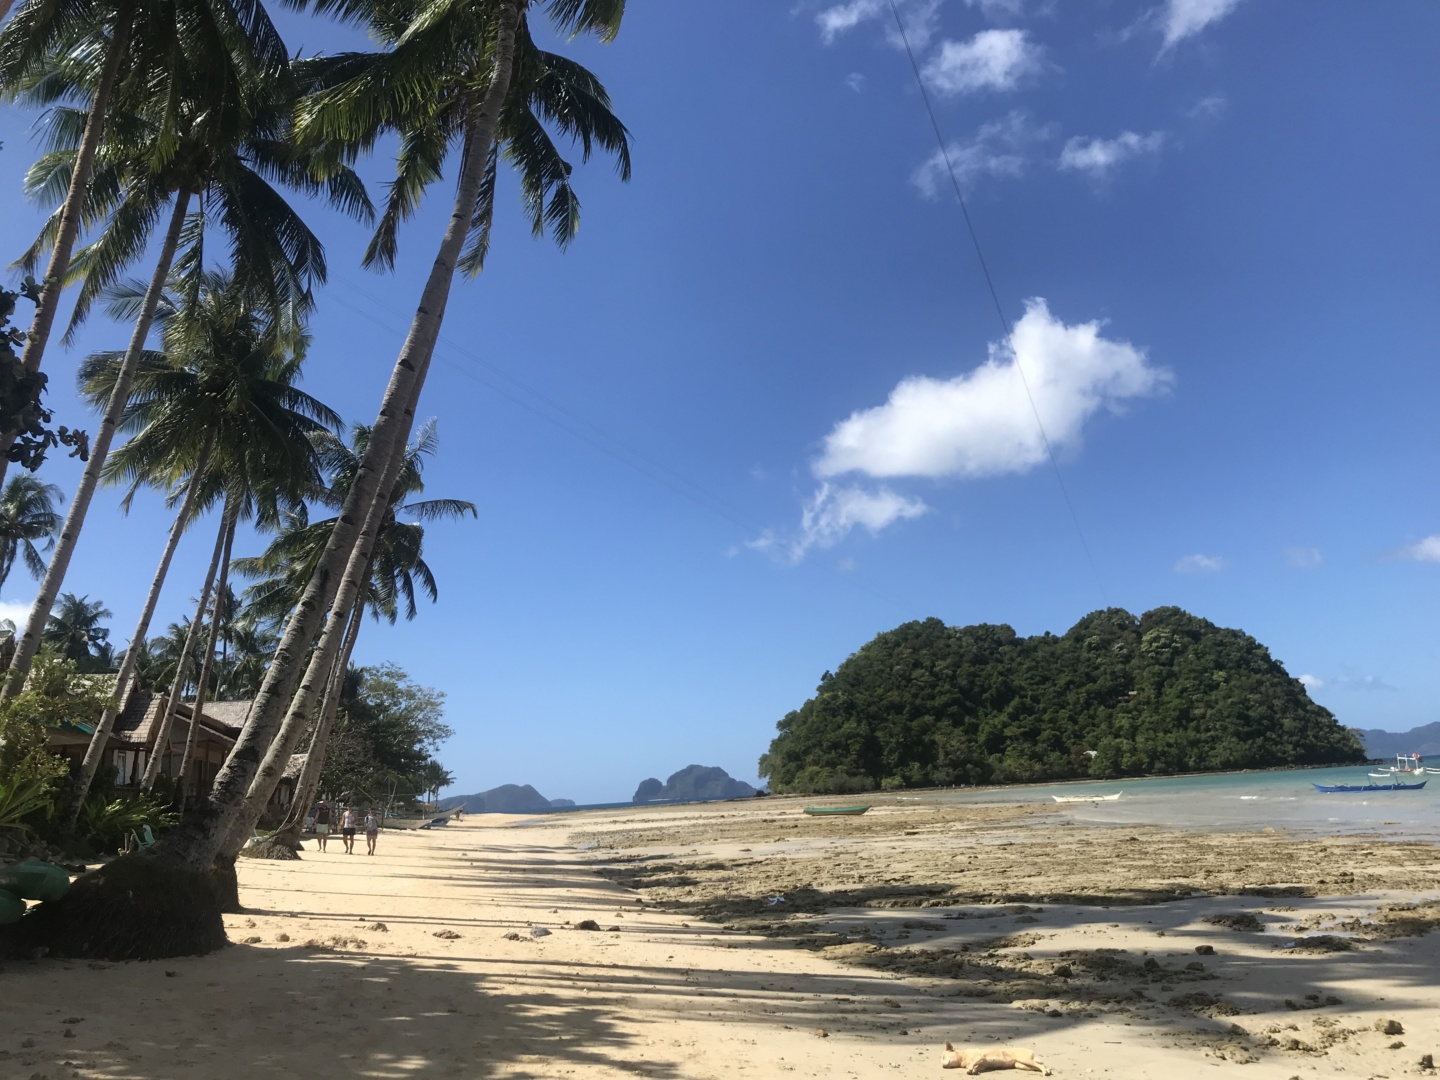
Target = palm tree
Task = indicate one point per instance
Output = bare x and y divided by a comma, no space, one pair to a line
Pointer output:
457,73
27,514
221,398
75,631
434,777
98,52
233,133
396,569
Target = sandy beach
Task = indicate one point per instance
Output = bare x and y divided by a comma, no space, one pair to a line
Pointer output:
748,940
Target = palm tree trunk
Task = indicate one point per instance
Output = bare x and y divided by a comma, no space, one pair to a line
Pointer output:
317,673
99,448
125,680
202,684
307,786
160,745
197,841
71,210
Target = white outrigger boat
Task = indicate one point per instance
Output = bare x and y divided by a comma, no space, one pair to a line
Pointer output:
1087,798
424,821
1406,765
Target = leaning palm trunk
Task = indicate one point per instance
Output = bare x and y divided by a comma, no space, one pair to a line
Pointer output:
161,742
48,303
286,839
317,672
125,680
99,448
202,684
198,840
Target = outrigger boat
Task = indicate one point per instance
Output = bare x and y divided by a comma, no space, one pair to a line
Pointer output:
1405,765
836,811
1397,786
1087,798
425,821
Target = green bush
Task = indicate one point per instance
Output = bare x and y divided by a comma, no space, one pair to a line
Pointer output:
105,824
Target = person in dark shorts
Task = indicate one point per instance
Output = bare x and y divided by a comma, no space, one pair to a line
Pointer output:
372,830
348,820
323,819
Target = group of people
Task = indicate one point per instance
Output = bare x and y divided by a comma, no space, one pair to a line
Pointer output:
324,817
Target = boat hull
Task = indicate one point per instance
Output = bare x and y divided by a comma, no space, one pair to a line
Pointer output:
836,811
1332,788
1087,798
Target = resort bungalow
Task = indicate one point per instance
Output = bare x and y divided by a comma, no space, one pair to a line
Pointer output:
133,737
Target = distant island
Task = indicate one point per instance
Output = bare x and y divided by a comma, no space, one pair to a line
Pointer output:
1423,740
505,799
694,783
928,705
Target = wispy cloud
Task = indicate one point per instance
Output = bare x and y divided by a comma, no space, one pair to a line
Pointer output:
1208,107
1001,148
1199,564
991,60
982,423
1304,558
1096,157
996,10
1427,550
1180,19
919,17
833,512
1346,682
974,425
855,81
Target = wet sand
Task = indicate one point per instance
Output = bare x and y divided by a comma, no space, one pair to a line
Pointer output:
745,939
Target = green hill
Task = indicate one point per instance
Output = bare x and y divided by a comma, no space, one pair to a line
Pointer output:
930,705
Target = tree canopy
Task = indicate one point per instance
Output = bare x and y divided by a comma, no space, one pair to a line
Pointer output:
928,705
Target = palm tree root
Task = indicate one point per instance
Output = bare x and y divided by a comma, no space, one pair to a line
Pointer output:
284,844
135,908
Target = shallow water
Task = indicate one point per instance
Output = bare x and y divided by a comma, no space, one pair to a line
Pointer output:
1285,800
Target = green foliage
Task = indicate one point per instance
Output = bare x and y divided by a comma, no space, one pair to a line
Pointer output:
933,705
387,730
24,798
20,391
55,694
104,824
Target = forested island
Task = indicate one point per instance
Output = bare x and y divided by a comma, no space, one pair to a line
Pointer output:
927,705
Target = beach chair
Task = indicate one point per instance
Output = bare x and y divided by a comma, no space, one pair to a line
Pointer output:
142,840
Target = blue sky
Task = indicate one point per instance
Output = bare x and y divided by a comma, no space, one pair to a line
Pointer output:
764,407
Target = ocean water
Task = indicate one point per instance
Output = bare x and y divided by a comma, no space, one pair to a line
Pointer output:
1285,800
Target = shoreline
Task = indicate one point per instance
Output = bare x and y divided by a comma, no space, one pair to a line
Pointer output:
460,952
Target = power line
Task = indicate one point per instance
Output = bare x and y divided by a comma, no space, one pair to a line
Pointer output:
1005,323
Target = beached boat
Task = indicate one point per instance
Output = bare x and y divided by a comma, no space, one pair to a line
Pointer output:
1088,798
836,811
1329,788
424,821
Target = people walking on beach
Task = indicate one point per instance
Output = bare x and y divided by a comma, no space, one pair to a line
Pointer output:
323,818
348,820
372,830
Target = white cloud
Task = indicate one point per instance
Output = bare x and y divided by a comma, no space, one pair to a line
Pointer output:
1001,148
991,60
1199,564
833,512
919,17
855,81
1304,558
1180,19
17,611
1360,683
1427,550
1097,156
982,423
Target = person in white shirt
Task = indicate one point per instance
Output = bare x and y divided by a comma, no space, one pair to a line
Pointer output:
348,821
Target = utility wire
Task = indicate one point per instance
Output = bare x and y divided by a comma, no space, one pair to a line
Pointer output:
1005,323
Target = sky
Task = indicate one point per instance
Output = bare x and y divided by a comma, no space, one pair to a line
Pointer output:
765,406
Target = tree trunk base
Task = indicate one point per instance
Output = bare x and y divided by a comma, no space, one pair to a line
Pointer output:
279,846
135,908
227,885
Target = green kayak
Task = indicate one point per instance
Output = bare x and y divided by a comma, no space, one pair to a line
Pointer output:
836,811
11,907
35,880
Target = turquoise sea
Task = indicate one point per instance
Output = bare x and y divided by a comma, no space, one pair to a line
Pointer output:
1285,800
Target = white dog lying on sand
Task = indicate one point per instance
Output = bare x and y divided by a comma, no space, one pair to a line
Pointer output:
976,1059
